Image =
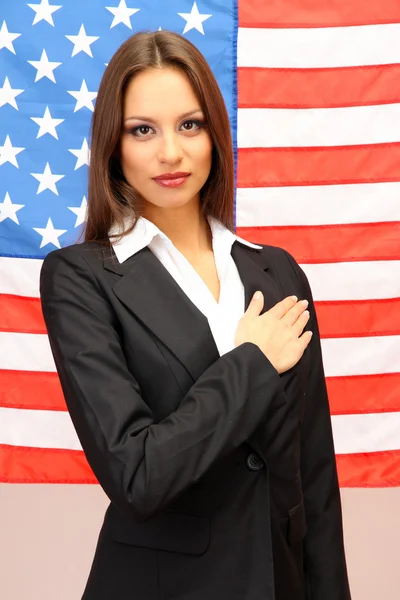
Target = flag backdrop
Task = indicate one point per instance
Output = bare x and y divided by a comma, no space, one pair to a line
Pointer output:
312,90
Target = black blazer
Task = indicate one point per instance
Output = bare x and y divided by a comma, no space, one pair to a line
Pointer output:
221,472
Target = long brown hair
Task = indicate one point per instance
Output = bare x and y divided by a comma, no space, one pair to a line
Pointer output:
110,197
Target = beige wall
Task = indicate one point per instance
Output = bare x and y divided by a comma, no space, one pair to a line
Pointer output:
48,534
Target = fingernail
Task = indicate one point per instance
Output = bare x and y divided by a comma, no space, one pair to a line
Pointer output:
294,298
257,296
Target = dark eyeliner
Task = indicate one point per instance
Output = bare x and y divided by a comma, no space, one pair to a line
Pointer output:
136,128
200,124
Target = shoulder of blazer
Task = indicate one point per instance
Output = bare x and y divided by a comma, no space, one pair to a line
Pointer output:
279,259
92,252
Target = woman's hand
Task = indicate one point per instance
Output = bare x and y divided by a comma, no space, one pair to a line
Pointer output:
277,332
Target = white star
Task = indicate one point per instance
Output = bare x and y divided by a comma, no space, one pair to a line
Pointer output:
44,67
49,234
80,212
8,153
82,42
194,20
47,124
7,38
8,210
8,94
122,14
47,180
83,97
82,154
44,12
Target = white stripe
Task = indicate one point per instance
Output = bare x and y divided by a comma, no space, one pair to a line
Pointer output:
363,280
37,428
25,352
319,46
310,127
331,281
20,276
361,355
366,432
342,356
318,204
54,429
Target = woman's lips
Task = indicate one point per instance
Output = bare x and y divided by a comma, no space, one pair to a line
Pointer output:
172,183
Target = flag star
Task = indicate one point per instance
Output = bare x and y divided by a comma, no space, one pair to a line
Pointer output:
8,210
194,20
122,14
44,67
44,12
80,212
47,180
7,38
47,124
82,42
49,234
83,97
8,153
8,94
82,154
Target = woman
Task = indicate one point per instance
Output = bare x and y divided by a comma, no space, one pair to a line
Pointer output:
201,407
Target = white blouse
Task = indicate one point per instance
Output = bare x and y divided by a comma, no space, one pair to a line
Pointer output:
222,316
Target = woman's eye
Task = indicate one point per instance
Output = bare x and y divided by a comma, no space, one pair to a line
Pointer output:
197,125
144,130
141,130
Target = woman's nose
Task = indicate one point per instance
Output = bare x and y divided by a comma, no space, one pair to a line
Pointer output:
170,149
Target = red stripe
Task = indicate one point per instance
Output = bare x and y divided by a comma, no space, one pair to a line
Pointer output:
331,243
338,319
320,13
318,88
31,390
37,465
21,314
24,315
372,469
355,394
360,394
43,465
264,167
358,318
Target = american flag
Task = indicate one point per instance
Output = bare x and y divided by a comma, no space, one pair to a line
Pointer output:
312,91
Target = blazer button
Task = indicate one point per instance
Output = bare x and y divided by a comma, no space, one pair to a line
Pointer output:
254,462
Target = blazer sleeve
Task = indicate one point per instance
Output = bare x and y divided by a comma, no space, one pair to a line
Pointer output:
325,562
142,465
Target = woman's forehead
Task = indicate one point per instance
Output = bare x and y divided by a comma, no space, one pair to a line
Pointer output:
164,89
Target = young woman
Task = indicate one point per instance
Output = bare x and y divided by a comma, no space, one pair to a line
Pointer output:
201,406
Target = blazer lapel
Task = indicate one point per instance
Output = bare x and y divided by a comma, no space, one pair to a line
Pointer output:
255,273
148,290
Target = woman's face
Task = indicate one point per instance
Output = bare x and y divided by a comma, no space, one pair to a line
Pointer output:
164,132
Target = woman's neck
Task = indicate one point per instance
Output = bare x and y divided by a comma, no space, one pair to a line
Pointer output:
186,227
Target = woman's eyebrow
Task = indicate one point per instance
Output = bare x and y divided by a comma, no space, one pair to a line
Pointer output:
141,118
